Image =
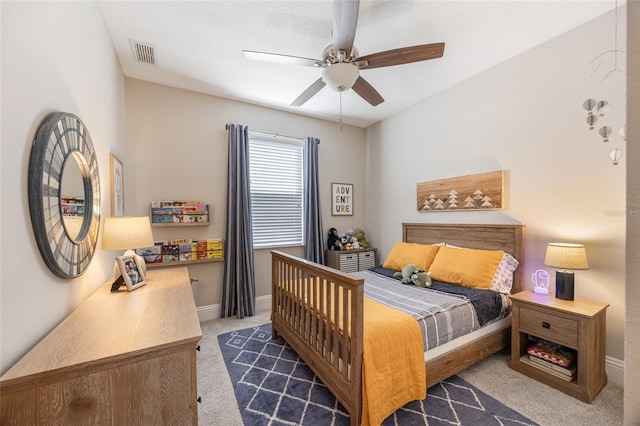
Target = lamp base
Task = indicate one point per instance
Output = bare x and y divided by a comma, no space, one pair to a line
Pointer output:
564,285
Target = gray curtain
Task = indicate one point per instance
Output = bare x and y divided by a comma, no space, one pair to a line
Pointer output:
238,286
314,238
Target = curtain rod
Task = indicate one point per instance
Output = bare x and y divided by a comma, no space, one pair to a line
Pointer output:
276,135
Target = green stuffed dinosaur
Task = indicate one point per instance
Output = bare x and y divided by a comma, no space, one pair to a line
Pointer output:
411,274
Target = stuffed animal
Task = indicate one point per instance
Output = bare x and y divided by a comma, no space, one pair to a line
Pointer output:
333,241
411,274
362,238
350,234
343,242
355,243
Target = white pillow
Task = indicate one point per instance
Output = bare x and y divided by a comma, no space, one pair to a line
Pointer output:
503,279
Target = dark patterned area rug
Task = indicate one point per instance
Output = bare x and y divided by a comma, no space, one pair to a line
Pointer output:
274,387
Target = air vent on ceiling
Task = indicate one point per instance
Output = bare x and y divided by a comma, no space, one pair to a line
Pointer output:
143,52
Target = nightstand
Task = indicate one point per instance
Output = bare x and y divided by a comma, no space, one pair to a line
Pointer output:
575,324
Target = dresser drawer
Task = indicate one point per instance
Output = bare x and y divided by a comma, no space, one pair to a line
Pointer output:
549,326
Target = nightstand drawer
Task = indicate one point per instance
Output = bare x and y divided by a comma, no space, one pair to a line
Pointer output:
548,326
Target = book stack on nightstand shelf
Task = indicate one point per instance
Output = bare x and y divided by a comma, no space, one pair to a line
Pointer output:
554,359
560,342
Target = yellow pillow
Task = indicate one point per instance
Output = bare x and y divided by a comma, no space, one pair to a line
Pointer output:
402,253
466,267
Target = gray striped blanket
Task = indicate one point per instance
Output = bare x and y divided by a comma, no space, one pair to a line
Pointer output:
442,317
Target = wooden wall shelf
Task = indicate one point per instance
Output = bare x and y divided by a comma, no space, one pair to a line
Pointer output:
181,263
166,225
174,215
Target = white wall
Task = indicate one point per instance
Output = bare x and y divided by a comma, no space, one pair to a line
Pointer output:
178,150
56,56
524,116
632,343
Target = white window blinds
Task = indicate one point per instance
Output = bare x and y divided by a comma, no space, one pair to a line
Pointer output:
276,168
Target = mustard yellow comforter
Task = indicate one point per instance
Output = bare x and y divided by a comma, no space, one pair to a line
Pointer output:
393,370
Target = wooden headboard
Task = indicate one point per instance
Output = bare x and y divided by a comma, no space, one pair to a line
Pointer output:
509,238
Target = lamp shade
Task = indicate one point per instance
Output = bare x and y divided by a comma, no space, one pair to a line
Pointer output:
566,256
340,76
126,232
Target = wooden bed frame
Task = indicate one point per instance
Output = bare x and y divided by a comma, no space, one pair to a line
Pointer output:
308,299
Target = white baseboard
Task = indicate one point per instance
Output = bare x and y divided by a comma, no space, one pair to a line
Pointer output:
615,370
613,366
211,312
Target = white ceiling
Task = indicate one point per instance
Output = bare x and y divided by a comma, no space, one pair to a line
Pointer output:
198,46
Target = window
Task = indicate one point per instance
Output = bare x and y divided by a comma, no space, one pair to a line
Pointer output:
275,169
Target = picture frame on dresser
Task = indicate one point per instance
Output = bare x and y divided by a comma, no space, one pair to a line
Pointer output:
132,271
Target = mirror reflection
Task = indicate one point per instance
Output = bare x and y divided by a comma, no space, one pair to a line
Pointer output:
72,196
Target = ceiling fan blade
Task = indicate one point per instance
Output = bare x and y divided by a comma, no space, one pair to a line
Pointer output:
308,94
403,55
345,21
367,92
280,59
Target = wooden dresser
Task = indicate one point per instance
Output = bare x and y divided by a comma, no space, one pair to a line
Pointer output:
119,359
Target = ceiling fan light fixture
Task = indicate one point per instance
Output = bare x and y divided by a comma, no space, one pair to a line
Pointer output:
340,76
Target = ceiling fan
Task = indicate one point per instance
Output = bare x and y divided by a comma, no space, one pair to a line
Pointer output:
341,61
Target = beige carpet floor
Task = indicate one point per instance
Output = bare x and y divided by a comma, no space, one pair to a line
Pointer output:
537,401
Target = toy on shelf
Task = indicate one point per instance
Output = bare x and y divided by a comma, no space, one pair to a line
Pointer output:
350,240
362,238
333,242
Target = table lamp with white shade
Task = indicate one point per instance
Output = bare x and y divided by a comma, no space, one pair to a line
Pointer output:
127,233
565,257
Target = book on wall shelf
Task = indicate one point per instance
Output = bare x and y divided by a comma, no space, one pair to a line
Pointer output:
179,213
183,251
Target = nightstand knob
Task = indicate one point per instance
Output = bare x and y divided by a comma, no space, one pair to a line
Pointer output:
546,324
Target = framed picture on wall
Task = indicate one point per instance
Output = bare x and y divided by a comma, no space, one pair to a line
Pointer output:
116,183
342,199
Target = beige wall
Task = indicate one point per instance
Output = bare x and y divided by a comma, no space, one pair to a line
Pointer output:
178,150
55,57
523,116
632,346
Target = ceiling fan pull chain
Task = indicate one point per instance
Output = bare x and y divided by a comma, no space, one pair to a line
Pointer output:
340,110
